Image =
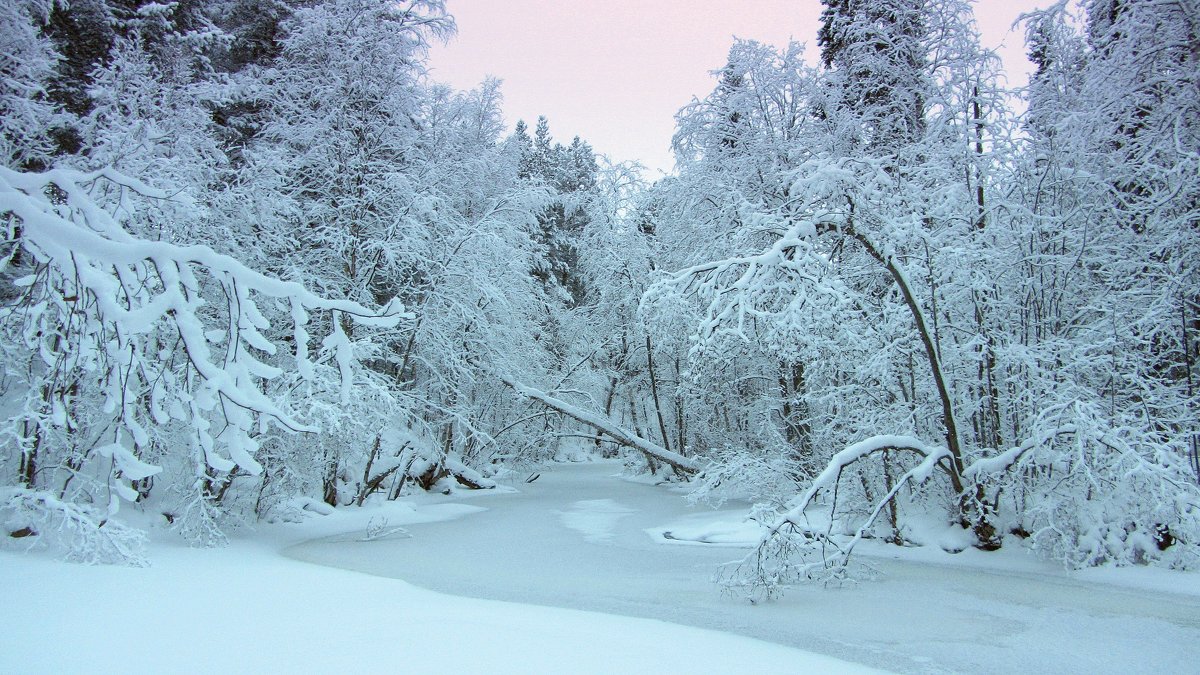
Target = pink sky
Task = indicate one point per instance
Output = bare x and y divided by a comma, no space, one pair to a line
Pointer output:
615,72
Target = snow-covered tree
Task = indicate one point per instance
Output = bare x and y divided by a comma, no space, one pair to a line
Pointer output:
321,158
736,151
27,63
1108,312
125,357
892,265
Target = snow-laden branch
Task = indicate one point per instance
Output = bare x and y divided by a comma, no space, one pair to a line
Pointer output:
107,243
833,471
103,300
1002,462
791,550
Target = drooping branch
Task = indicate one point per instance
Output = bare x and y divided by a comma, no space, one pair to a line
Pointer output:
787,549
829,476
129,292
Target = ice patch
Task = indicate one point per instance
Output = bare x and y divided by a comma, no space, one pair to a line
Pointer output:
721,528
594,518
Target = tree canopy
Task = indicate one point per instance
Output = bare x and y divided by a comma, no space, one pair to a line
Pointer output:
256,259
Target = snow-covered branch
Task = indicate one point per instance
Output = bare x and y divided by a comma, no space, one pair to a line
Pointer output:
162,333
600,423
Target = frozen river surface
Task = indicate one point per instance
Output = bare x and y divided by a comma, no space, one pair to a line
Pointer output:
577,538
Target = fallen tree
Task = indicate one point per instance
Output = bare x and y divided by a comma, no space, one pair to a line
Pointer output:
684,465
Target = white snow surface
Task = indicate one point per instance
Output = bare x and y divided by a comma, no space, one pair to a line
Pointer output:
247,609
581,537
508,573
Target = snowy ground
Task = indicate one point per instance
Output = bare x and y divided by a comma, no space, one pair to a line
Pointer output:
247,609
580,538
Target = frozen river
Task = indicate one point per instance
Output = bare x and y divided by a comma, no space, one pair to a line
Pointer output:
577,538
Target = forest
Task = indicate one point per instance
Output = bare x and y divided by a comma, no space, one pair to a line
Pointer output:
256,262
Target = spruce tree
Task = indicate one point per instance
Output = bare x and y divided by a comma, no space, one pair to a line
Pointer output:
875,49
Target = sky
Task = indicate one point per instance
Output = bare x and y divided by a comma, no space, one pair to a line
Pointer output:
615,72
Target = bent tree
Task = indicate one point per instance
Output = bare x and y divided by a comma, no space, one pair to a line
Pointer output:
685,466
798,284
985,335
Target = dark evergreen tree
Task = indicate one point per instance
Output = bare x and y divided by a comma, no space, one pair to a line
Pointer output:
569,172
733,124
255,31
874,48
524,148
1057,53
83,34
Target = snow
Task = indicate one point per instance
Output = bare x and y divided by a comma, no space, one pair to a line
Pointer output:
132,467
521,568
723,528
246,608
928,612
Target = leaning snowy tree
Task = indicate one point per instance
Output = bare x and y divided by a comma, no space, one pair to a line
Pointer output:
896,267
127,360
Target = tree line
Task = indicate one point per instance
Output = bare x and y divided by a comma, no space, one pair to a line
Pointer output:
257,260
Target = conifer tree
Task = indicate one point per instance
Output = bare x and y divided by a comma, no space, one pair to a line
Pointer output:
876,50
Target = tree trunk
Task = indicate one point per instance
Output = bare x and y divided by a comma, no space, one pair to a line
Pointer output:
29,458
329,492
662,426
681,464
